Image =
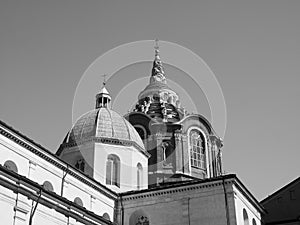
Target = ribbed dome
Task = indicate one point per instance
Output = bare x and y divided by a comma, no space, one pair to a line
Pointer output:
105,123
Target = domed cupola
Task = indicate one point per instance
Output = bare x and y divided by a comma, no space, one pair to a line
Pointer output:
103,123
158,100
102,134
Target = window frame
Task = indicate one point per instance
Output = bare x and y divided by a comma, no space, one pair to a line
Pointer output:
113,170
204,149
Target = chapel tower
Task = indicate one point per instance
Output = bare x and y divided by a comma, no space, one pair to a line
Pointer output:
182,146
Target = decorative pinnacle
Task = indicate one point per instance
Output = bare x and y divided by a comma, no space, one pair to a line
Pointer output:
157,69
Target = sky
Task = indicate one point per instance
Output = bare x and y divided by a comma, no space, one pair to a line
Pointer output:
252,47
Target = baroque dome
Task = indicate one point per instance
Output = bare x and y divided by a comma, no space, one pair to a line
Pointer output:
158,100
103,123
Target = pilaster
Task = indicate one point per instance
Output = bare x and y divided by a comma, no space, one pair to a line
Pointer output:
185,154
185,210
178,151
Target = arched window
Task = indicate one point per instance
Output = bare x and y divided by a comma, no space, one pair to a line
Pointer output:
139,217
106,216
245,216
197,149
78,201
10,165
48,186
80,165
143,220
253,222
113,170
139,176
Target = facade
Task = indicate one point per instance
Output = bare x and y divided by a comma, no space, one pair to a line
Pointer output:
283,206
156,165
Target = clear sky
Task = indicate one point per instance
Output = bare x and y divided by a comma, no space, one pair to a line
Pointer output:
251,46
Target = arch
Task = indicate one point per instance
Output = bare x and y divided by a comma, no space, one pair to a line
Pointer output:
199,118
11,165
197,148
141,131
253,222
140,119
113,170
139,217
48,186
139,176
142,220
245,217
78,201
106,216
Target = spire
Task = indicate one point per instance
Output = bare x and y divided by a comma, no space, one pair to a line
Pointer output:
158,73
103,98
156,47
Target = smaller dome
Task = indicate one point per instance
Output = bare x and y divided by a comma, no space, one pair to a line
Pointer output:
103,123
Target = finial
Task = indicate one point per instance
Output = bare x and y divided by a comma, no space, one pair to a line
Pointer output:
104,79
156,47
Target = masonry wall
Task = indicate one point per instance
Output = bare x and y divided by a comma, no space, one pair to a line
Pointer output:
194,204
244,208
129,158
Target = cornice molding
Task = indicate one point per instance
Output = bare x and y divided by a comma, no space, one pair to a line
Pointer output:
104,140
173,190
51,158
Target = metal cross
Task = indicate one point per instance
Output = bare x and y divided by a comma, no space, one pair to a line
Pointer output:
104,79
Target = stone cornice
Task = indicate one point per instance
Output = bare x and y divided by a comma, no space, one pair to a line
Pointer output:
182,187
43,153
104,140
178,187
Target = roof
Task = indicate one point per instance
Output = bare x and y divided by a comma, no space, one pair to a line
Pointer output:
281,190
105,123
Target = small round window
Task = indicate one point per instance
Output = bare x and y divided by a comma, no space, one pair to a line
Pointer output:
106,216
48,186
78,201
10,165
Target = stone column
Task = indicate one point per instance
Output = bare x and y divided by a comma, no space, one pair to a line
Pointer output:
211,159
178,152
185,154
159,139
